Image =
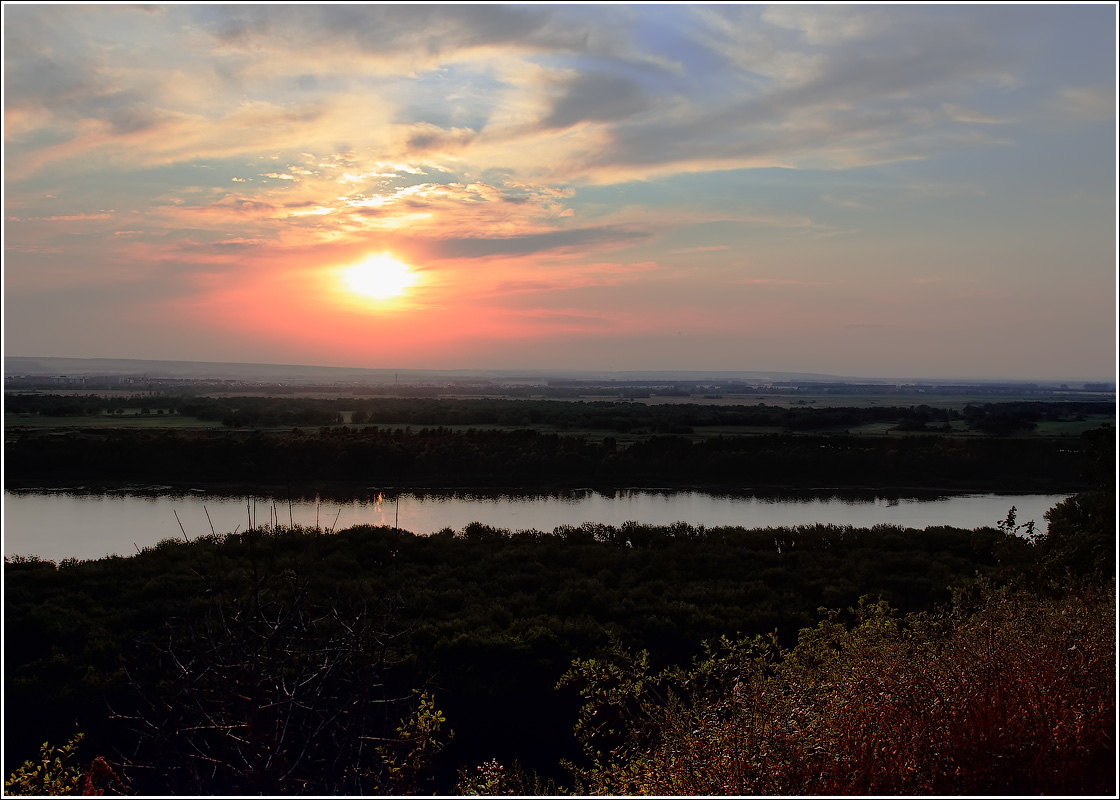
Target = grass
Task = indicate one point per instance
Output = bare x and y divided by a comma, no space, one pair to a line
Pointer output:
1074,427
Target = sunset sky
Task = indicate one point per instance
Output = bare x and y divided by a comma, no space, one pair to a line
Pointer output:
889,191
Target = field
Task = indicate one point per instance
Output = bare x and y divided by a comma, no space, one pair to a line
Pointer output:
132,418
130,410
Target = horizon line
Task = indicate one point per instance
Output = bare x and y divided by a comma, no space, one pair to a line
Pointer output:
804,375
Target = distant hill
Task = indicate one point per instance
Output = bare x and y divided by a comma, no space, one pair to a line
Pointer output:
47,366
35,367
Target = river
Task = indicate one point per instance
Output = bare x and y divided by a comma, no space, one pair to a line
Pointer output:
74,524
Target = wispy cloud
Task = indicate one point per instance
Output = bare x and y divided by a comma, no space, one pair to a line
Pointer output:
1086,103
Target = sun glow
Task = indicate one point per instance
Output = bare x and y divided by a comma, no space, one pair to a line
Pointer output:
379,277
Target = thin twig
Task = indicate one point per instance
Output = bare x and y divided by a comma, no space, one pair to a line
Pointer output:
184,530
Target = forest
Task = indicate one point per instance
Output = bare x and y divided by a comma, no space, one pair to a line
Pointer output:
312,445
604,416
342,458
595,659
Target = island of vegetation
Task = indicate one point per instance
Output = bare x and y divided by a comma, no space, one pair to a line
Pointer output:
592,659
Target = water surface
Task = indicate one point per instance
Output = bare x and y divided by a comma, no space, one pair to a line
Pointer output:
72,524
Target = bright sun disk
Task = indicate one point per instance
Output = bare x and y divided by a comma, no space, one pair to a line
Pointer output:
379,277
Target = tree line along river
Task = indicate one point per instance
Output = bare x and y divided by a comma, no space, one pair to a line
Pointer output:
75,524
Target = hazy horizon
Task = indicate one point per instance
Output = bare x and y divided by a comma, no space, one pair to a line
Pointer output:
907,192
157,368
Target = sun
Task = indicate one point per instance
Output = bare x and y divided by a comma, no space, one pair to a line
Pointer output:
379,277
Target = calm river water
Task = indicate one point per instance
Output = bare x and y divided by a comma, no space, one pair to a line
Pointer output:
63,524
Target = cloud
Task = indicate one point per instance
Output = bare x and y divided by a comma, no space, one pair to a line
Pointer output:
1086,103
424,138
388,30
569,319
851,201
781,282
595,97
959,113
534,243
905,194
543,93
100,215
176,137
830,25
566,275
709,248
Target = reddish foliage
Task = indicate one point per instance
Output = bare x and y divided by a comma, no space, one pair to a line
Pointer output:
100,778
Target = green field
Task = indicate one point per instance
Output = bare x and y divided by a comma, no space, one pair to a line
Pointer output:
130,419
1074,427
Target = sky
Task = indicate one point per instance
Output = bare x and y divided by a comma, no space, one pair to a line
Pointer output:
868,190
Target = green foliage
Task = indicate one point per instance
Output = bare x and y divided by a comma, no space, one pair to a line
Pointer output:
1080,541
407,759
629,713
619,691
55,773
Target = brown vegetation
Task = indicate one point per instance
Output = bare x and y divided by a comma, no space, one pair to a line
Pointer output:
1016,697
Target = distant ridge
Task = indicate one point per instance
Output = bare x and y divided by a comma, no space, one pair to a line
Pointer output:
46,366
30,366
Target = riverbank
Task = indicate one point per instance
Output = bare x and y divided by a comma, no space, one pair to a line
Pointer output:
67,523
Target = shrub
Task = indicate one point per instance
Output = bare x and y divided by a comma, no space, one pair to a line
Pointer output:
56,772
1014,695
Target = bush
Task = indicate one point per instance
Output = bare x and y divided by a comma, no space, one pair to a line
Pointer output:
1008,694
58,773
